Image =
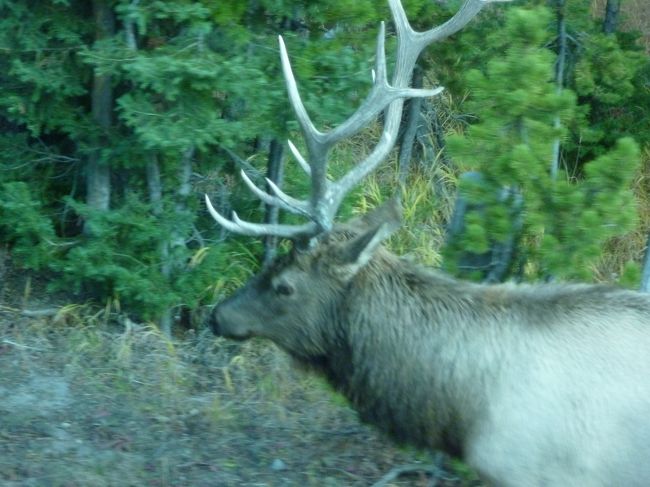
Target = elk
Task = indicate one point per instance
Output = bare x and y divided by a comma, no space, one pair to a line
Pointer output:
532,385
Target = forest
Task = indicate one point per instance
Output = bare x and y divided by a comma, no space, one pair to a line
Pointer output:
118,116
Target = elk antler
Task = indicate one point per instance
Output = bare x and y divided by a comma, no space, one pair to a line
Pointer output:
326,196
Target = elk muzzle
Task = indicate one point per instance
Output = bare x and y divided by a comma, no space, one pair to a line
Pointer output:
227,320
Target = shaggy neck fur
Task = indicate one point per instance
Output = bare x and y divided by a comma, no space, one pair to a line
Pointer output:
396,348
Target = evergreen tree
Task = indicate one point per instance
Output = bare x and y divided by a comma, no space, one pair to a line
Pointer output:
565,220
606,69
119,115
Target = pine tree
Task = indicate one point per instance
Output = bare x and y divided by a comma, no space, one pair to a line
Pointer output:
118,116
565,221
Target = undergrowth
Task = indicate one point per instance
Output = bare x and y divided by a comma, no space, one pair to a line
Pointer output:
94,399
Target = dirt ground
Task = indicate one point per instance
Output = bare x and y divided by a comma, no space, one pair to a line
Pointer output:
91,399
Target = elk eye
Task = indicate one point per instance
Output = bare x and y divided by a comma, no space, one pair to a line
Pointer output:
284,289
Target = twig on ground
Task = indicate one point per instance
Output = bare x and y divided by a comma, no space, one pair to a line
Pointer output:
39,313
433,470
8,308
19,345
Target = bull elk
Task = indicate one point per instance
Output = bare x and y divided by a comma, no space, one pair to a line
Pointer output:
532,385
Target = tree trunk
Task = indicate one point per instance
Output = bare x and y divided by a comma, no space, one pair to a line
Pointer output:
559,81
275,172
155,189
182,194
154,185
645,276
98,177
173,261
438,132
412,123
611,16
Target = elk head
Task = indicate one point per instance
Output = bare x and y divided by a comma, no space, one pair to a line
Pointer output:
294,301
294,295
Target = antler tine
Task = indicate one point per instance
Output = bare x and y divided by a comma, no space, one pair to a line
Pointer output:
241,227
301,160
466,12
279,198
310,132
379,75
298,206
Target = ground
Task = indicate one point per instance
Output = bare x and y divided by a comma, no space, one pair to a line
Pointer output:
89,398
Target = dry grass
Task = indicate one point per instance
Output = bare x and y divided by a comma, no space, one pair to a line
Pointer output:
634,15
632,246
427,195
88,400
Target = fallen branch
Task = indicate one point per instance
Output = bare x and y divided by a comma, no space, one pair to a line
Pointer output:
18,345
433,470
39,313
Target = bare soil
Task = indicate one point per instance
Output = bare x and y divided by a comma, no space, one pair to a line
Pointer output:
88,399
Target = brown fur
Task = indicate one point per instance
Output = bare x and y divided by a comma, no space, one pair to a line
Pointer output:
545,385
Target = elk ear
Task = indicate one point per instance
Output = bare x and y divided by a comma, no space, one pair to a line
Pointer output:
357,252
389,212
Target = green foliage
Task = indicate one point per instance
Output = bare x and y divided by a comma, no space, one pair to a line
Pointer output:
168,92
584,216
186,78
565,221
193,82
42,79
606,72
24,225
122,261
610,78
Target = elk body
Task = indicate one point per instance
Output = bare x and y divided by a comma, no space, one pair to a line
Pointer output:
531,385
